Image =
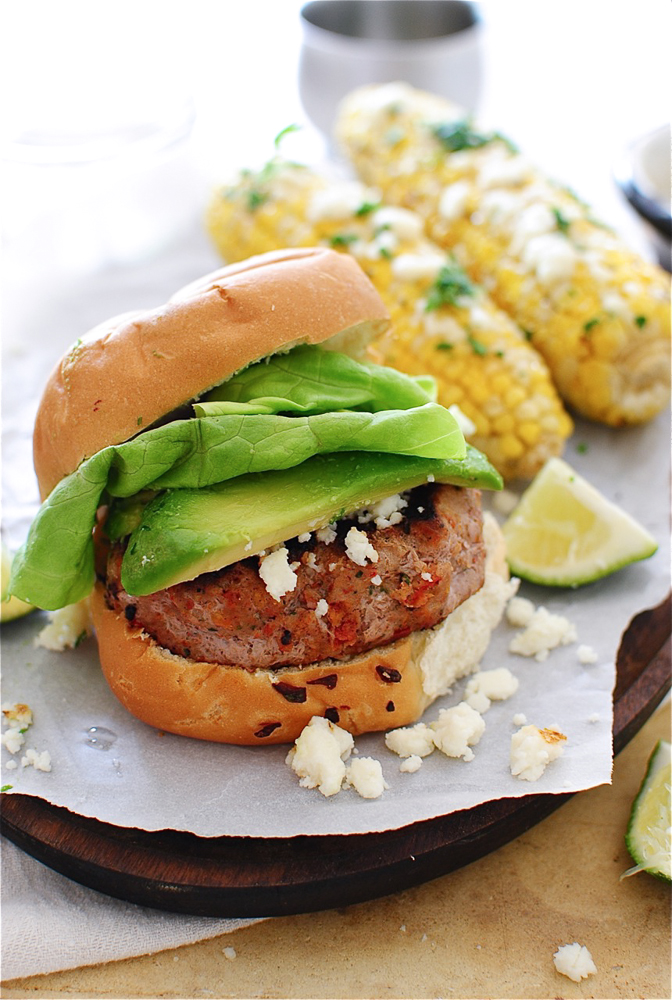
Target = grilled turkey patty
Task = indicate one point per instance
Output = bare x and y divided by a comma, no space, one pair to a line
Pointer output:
428,564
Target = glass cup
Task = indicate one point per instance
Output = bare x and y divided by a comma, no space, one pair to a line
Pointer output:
434,45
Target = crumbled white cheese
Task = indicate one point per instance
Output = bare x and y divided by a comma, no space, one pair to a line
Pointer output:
544,632
318,755
586,655
614,303
13,739
377,580
519,612
535,220
414,267
405,225
321,608
332,567
551,256
305,537
532,749
365,775
229,953
310,560
22,715
358,548
411,764
453,200
385,512
326,535
277,574
411,741
66,629
339,201
520,719
487,686
574,961
11,765
426,576
595,717
40,761
503,170
458,729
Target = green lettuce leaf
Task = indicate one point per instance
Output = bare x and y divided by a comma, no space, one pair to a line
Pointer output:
56,565
310,379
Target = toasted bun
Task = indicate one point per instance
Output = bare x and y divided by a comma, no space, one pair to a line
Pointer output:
381,689
131,371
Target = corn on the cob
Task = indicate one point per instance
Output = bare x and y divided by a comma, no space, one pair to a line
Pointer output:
442,324
598,314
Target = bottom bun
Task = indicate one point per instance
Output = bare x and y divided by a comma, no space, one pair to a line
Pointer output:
381,689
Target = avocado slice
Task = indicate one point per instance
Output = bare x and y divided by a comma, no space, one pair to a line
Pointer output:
186,532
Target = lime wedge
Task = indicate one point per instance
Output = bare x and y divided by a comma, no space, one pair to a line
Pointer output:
565,533
10,607
648,834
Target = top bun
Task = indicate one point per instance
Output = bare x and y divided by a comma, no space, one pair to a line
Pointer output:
128,373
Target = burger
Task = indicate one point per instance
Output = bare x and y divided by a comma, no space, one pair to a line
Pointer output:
268,525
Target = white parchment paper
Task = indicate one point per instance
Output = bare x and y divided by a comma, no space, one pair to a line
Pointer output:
106,764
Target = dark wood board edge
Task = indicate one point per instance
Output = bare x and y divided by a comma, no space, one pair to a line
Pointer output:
248,877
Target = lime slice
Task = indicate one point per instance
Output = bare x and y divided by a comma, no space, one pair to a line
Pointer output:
564,532
648,834
10,607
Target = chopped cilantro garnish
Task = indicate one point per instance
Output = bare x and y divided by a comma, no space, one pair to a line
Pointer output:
443,345
561,221
343,239
450,285
283,132
386,253
366,207
589,324
80,638
640,321
582,447
528,334
476,345
5,788
458,135
255,198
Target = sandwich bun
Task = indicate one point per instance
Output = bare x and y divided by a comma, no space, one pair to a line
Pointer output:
381,689
133,370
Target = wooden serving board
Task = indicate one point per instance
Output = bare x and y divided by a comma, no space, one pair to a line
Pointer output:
247,876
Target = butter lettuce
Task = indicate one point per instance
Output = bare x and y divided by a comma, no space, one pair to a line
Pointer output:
310,379
55,567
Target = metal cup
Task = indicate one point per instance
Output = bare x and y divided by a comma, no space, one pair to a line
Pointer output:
434,45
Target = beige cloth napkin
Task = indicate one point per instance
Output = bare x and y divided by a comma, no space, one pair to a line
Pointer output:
50,923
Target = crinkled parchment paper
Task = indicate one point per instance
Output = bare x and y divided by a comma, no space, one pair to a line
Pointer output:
105,764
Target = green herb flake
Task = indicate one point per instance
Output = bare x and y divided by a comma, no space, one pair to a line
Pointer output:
477,346
561,221
139,422
385,253
451,284
366,208
443,345
6,788
589,324
80,638
582,448
640,321
458,135
255,198
343,239
283,132
528,334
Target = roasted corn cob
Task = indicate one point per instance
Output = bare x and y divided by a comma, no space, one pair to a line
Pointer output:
598,314
442,324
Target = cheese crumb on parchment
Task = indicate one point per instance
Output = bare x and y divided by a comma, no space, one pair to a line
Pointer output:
574,961
487,686
67,627
18,713
411,764
543,632
457,729
365,775
40,761
411,741
532,749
